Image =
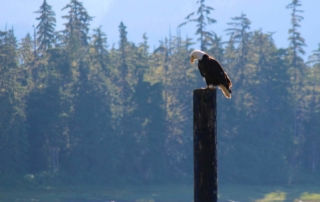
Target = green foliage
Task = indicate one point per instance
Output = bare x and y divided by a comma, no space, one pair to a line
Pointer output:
240,37
274,196
296,41
81,112
13,142
202,21
310,196
25,51
45,28
77,28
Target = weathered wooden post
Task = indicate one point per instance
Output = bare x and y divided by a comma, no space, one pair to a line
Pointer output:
204,145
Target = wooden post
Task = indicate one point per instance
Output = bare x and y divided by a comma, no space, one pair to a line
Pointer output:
204,145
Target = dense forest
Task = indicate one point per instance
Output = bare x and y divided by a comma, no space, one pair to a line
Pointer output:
74,109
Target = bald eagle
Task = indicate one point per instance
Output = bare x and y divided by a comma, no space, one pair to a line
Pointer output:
212,71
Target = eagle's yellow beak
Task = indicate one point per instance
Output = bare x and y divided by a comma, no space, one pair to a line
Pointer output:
192,59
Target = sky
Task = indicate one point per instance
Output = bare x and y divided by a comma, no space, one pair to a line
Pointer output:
157,17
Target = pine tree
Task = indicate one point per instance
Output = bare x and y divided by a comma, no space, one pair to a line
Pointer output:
238,62
147,136
46,26
310,149
77,28
296,44
144,47
13,140
216,48
45,131
92,141
100,48
123,65
171,68
270,88
315,57
239,32
26,56
125,76
202,20
297,70
296,41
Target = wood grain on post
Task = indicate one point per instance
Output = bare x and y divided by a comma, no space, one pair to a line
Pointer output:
204,145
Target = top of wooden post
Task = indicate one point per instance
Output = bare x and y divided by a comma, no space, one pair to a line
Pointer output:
204,90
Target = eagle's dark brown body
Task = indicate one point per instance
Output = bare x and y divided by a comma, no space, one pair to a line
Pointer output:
213,72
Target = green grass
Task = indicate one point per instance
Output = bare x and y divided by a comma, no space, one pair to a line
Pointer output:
273,196
310,196
270,193
161,193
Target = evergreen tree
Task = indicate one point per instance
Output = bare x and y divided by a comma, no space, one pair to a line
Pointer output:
240,35
202,20
123,73
100,48
125,76
216,48
26,59
271,97
147,137
297,70
13,139
144,47
310,149
296,41
26,56
296,45
45,125
46,26
10,39
77,28
315,57
238,60
92,142
178,78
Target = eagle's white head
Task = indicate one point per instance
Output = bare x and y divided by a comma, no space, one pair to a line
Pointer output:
196,55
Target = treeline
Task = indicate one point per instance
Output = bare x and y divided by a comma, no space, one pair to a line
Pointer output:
75,110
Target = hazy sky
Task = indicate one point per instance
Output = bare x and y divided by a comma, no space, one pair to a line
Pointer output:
155,17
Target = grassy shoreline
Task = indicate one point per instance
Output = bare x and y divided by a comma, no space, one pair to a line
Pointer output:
160,193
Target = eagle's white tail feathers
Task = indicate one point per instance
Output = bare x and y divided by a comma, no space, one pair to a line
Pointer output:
225,91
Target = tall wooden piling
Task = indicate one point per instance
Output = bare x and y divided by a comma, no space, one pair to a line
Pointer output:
204,145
